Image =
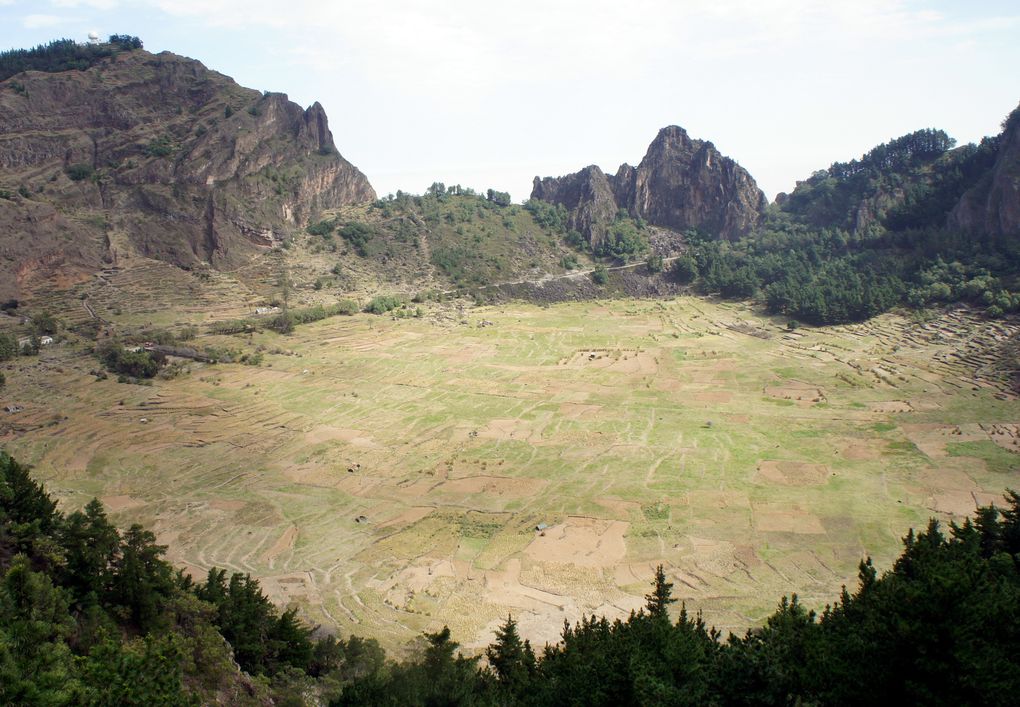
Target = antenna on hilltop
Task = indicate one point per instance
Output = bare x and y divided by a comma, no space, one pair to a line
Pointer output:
93,37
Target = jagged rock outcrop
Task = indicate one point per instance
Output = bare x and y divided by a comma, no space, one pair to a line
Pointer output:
588,197
160,156
681,183
992,206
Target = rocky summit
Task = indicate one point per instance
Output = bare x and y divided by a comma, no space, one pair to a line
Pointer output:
155,155
680,184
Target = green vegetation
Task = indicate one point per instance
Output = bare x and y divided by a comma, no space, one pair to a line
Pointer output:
500,198
93,615
63,55
136,364
286,320
997,460
549,216
80,171
321,228
625,240
358,235
382,304
475,240
861,237
162,146
45,324
8,347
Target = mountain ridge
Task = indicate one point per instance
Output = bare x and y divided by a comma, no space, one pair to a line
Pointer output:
156,155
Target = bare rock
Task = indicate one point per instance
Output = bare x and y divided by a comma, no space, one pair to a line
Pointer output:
681,183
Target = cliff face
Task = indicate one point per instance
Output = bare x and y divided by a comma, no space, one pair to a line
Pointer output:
587,196
992,206
681,183
159,156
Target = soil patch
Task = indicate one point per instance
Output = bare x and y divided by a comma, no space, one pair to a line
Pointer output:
774,519
586,542
121,503
503,486
790,473
283,543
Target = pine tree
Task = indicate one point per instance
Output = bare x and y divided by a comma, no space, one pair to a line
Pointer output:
511,659
657,603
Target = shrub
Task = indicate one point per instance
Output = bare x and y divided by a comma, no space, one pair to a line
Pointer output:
322,228
78,172
347,307
8,347
685,268
358,235
384,303
163,146
600,275
45,323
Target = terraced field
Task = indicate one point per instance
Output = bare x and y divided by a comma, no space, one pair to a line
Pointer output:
390,475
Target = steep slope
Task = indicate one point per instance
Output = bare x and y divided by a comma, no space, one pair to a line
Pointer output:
681,183
910,182
992,206
155,155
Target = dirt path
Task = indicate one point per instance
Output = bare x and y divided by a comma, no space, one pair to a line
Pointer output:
92,312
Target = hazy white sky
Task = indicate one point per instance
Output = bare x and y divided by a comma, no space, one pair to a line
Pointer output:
490,94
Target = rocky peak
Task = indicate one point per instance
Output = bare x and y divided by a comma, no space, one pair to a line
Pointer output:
681,183
588,197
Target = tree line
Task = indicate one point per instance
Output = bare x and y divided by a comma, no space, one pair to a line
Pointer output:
63,55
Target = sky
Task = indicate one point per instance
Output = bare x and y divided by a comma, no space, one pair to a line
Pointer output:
491,94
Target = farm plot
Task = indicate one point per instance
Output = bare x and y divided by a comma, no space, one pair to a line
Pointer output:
394,475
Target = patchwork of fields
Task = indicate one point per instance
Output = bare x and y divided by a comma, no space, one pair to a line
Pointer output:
389,474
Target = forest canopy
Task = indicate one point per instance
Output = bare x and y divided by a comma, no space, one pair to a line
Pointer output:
63,55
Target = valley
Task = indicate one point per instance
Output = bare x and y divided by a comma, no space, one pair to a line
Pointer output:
389,475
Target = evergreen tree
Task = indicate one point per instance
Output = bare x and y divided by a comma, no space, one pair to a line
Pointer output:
657,603
512,660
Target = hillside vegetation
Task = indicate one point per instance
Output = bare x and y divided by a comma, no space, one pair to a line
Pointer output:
861,237
63,55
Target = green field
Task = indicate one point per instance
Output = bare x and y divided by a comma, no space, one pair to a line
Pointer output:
750,460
